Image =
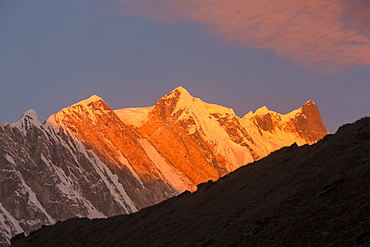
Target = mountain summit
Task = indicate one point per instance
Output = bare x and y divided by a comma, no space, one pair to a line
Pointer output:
88,160
297,196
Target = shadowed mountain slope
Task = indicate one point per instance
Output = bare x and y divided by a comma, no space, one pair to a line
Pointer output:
298,196
88,160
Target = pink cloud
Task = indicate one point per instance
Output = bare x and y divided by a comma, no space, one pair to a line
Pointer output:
357,14
324,35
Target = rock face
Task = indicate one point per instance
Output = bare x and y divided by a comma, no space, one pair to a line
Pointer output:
187,131
90,161
320,190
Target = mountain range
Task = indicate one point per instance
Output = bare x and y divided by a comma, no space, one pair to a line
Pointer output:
88,160
314,195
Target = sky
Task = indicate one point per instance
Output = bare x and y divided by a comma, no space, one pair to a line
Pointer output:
242,54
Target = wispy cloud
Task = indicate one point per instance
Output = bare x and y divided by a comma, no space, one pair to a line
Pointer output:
356,13
324,35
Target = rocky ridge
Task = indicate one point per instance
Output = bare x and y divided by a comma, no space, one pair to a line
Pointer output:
88,160
297,196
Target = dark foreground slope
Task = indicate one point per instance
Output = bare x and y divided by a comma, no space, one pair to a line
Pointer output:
298,196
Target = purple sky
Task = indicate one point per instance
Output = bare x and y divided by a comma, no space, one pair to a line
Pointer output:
56,53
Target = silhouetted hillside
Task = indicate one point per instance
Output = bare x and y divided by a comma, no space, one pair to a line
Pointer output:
298,196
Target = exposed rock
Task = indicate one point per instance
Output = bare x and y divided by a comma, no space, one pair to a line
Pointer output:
275,201
86,161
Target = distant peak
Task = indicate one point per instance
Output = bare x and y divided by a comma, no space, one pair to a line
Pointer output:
248,115
29,117
310,106
309,102
92,98
84,110
179,93
92,103
180,90
30,113
262,110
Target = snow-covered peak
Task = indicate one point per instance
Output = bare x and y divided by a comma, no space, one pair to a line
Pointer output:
177,99
248,115
309,102
30,116
178,93
28,119
181,90
186,101
180,99
30,113
284,117
89,100
91,105
309,105
262,111
85,110
259,112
